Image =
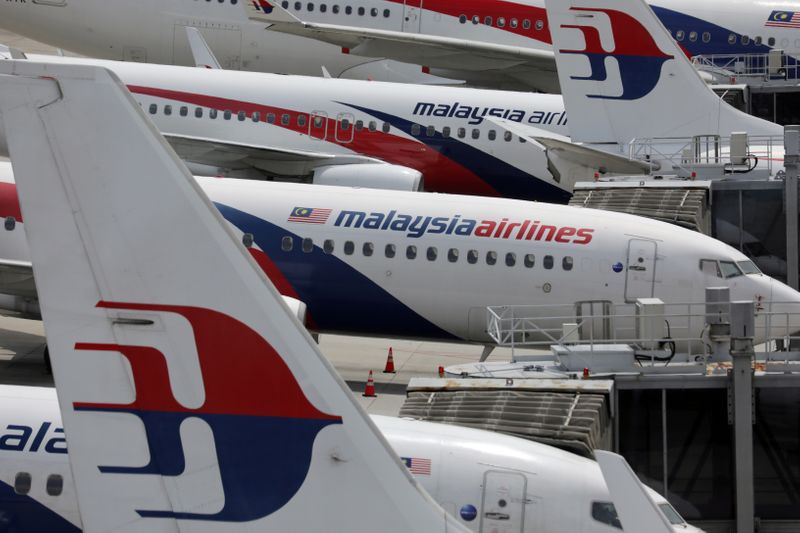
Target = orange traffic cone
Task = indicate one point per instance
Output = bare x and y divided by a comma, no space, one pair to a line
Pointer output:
369,390
389,368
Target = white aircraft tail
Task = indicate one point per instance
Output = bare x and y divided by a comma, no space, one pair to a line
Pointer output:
192,400
624,77
636,509
201,52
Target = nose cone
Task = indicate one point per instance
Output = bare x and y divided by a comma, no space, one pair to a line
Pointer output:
783,309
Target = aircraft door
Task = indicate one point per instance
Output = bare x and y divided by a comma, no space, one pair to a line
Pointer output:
344,128
504,498
412,15
640,272
318,125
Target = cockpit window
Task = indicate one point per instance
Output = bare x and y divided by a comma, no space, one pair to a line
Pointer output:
605,513
748,267
729,269
671,514
710,267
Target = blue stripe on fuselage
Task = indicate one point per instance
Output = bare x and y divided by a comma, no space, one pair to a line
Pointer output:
675,20
20,513
338,297
506,179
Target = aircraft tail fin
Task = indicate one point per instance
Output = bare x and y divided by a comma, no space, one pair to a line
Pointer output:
192,399
624,77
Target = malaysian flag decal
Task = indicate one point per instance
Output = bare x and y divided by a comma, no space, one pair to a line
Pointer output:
263,6
418,466
784,19
310,215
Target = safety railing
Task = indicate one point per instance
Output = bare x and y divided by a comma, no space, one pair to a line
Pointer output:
684,155
685,328
773,65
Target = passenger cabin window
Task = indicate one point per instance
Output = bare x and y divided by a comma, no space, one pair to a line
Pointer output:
241,115
168,110
530,260
432,253
567,263
22,483
227,114
184,111
605,513
308,245
390,250
507,136
287,243
411,252
247,240
710,267
153,109
491,258
452,255
349,247
270,118
212,113
327,246
415,129
386,127
285,119
198,112
547,262
472,257
367,249
430,131
256,116
511,259
55,485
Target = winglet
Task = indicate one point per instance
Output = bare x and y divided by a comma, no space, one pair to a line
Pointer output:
636,510
201,53
269,12
623,77
191,398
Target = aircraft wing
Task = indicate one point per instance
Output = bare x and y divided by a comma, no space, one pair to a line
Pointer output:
16,278
577,154
462,58
267,160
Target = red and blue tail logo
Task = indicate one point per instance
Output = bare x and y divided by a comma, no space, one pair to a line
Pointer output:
638,56
263,425
263,6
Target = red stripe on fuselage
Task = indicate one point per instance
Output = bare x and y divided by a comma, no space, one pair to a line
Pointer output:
9,201
441,173
494,9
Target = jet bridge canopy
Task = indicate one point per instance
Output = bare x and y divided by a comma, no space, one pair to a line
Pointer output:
574,415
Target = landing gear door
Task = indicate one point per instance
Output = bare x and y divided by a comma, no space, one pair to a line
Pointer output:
412,16
640,271
504,498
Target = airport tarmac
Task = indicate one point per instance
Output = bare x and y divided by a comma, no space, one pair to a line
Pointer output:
22,341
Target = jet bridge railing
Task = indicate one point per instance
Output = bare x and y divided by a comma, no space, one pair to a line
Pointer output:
685,155
768,66
681,328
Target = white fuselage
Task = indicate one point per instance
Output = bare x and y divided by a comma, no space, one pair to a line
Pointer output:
444,133
473,474
426,266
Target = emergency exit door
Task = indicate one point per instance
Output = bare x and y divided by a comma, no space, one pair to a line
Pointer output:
640,271
412,15
503,507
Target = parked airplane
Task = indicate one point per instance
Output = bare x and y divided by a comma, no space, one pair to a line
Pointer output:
172,350
150,32
499,44
482,478
511,41
417,265
360,133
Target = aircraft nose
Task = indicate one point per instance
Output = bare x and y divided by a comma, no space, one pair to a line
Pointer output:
783,310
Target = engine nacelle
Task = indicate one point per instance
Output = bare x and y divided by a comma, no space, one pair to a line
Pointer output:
297,308
369,175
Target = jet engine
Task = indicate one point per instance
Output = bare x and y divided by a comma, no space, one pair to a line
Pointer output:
369,175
